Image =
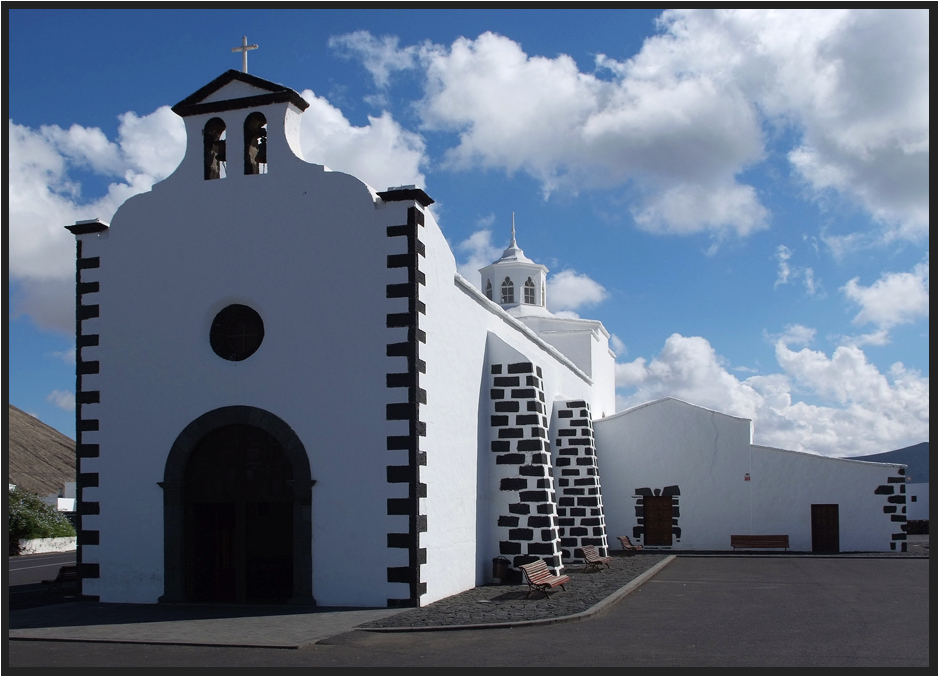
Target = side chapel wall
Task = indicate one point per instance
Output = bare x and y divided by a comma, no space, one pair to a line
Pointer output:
670,445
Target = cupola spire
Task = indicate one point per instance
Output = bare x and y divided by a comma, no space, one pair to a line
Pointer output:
514,280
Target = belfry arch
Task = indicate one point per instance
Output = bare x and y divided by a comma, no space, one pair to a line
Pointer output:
256,144
213,140
285,456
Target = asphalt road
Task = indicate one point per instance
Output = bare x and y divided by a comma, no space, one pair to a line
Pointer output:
28,569
698,612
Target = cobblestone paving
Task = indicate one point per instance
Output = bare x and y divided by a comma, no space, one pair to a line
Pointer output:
507,603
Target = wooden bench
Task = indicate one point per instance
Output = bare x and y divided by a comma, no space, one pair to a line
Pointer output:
540,578
627,545
771,541
593,560
67,574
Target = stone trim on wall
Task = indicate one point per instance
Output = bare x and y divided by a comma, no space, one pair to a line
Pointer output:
895,506
85,309
580,504
526,528
639,530
408,410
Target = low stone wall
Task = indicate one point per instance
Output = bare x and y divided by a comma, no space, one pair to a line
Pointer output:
916,527
34,546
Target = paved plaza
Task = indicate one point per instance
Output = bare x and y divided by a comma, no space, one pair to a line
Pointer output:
763,611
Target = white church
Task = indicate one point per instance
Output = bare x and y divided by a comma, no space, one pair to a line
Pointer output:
287,393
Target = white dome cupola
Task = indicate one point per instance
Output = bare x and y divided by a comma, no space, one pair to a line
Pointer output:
515,281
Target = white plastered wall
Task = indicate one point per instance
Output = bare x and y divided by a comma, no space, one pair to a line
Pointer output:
787,483
459,323
708,456
307,249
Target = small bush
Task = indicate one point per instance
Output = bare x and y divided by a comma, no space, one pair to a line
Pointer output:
30,517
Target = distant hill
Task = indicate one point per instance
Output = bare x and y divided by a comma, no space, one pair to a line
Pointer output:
916,459
41,458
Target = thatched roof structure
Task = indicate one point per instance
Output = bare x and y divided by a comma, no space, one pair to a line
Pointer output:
41,458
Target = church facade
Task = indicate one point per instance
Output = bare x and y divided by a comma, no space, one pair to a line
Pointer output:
287,393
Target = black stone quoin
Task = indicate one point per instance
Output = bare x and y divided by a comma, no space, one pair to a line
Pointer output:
408,410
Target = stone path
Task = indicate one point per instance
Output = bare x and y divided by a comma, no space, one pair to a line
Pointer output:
507,603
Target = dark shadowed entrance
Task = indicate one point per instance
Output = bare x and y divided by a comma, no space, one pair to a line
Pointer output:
237,522
239,518
825,532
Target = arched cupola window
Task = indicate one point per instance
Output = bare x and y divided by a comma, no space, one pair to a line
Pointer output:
489,289
213,139
543,297
508,291
529,292
256,144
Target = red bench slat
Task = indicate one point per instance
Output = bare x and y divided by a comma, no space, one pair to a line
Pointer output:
539,577
759,541
593,560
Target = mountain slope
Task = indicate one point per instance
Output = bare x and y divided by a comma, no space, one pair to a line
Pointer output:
916,459
41,458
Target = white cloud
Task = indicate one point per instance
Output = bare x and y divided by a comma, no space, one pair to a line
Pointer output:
808,278
570,291
153,144
630,374
617,345
63,399
480,252
717,207
67,356
688,368
681,120
786,273
881,337
866,411
783,254
797,334
380,56
896,298
44,196
681,141
382,154
45,193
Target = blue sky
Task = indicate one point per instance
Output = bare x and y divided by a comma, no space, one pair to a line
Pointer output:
741,197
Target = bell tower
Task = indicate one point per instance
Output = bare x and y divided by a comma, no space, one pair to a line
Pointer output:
515,281
240,125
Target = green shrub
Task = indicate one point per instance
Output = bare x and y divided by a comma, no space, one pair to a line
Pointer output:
30,517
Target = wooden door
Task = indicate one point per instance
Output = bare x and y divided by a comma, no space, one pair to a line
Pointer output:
825,533
657,519
239,513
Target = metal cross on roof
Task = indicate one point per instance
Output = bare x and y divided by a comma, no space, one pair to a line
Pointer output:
244,52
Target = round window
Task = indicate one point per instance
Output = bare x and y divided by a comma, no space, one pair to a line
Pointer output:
237,332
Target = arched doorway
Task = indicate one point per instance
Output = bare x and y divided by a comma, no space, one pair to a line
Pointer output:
239,518
237,522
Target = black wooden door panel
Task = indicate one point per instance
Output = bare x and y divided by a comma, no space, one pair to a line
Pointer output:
825,529
657,518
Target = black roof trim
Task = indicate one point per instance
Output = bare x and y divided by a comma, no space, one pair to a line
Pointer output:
193,104
87,227
399,194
